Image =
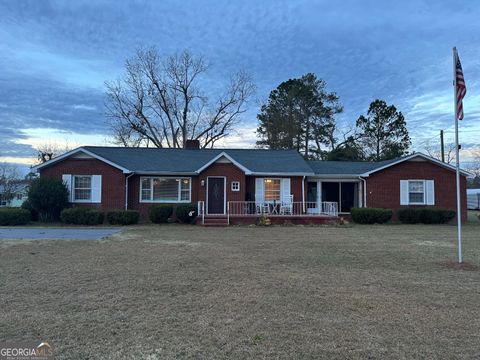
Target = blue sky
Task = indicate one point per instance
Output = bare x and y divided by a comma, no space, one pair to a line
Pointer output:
56,56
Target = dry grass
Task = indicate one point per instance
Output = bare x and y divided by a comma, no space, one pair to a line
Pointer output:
156,292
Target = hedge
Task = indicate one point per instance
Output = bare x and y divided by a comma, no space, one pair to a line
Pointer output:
425,215
187,213
14,216
123,217
371,215
82,216
160,213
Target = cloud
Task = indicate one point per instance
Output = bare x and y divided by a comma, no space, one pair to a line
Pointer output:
84,107
243,137
56,56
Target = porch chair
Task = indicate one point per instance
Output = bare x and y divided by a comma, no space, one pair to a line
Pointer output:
286,207
261,207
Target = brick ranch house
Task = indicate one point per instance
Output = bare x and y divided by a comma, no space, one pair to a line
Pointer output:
239,185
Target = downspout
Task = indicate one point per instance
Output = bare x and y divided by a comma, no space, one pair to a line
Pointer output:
126,189
303,194
364,191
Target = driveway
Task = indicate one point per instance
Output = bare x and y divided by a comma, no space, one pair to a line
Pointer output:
56,233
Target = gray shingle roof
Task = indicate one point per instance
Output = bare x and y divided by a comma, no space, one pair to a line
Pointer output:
252,161
346,167
189,161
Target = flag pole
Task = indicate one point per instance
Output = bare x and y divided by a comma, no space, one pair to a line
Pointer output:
457,156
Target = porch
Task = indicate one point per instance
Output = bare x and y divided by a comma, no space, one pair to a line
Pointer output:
247,212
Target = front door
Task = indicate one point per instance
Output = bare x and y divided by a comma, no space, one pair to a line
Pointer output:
216,195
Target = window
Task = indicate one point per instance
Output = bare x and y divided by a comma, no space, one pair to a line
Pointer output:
158,189
82,188
235,185
416,191
272,189
146,191
185,190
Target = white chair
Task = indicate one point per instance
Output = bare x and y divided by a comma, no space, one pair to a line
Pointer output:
261,207
286,207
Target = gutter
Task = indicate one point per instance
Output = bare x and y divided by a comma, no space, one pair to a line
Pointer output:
364,191
126,189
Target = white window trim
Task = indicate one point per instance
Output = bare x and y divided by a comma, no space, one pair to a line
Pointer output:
424,192
178,201
89,200
237,188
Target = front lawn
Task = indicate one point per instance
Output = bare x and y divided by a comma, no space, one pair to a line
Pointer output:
173,291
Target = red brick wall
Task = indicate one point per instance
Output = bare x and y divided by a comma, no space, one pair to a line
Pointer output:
231,172
134,194
113,180
383,187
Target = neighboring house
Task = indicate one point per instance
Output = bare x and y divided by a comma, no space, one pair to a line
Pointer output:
17,197
473,199
237,186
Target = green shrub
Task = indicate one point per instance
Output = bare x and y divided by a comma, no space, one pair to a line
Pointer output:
14,216
28,206
160,213
48,197
263,221
82,216
371,215
123,217
425,215
187,213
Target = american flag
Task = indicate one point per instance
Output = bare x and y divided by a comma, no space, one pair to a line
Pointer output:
460,89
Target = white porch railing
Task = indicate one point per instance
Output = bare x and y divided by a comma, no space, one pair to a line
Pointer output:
201,210
298,208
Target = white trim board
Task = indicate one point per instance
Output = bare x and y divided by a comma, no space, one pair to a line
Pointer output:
76,151
219,156
410,157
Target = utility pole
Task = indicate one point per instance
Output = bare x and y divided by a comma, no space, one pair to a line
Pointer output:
442,146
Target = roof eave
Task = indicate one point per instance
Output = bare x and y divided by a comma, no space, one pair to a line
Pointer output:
171,173
426,157
331,176
224,154
75,151
263,173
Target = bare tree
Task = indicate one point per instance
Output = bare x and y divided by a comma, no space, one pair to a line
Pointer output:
159,102
474,166
49,150
9,182
436,152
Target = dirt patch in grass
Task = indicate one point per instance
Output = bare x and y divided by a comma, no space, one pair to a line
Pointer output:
436,243
467,266
169,292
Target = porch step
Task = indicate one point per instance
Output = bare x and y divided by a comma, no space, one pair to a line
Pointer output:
216,221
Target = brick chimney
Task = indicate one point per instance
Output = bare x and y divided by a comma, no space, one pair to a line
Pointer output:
192,144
